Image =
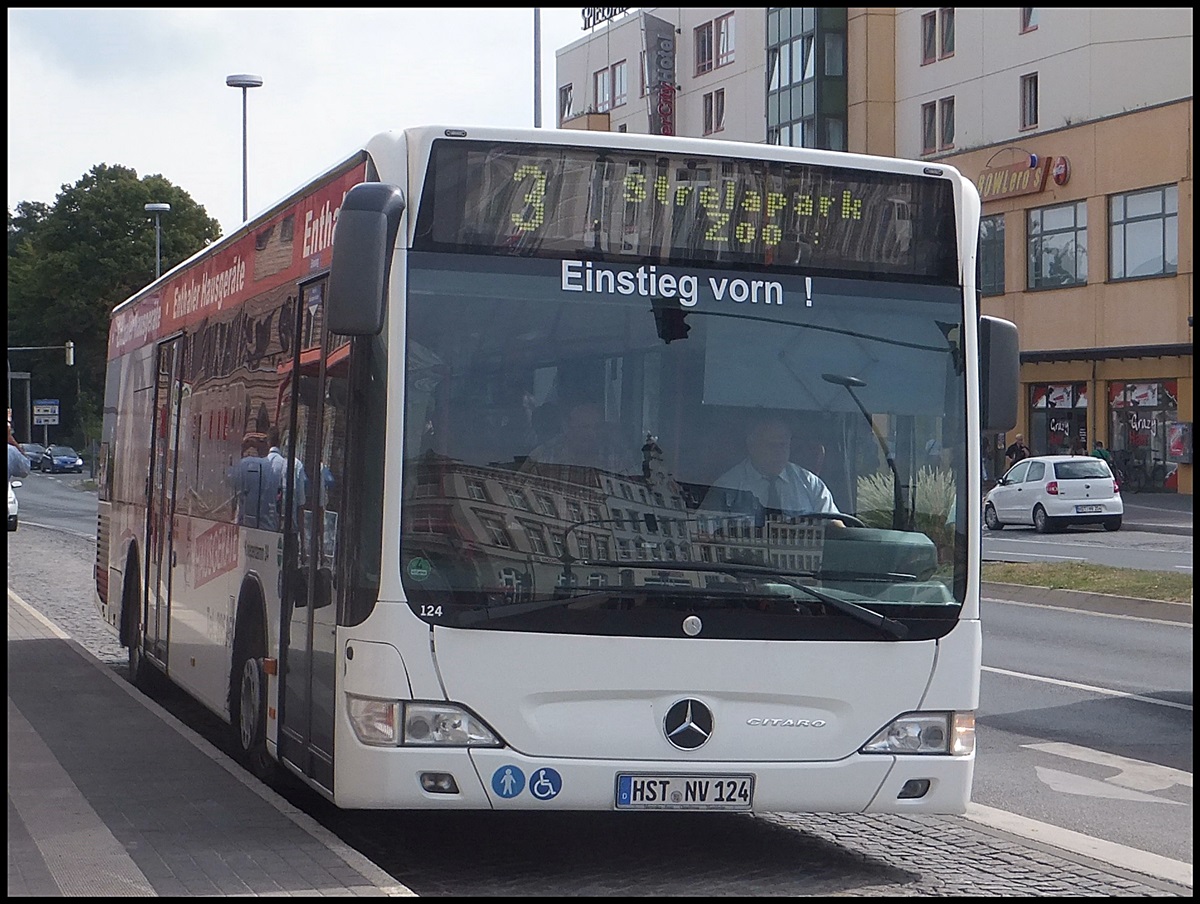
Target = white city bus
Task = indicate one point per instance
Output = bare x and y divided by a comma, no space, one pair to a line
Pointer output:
435,595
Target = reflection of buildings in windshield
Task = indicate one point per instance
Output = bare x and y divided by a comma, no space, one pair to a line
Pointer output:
521,533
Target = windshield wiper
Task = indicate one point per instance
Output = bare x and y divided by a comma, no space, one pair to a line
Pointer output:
893,629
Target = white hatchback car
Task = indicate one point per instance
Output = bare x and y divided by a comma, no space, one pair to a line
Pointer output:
1052,491
13,508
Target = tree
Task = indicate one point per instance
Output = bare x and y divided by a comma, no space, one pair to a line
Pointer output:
71,263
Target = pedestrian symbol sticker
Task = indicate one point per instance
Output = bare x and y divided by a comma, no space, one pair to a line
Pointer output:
508,781
545,784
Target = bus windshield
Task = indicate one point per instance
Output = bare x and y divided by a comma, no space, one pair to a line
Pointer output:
587,447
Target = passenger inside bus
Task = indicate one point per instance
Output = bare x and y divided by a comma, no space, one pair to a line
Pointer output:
586,439
255,485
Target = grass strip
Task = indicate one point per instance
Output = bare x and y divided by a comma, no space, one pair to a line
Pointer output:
1168,586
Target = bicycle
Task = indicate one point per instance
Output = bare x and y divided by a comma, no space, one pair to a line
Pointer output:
1130,475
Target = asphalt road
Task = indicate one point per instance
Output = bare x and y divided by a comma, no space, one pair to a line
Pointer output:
1120,549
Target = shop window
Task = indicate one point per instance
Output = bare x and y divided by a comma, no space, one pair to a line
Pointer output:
1058,419
1141,416
1144,233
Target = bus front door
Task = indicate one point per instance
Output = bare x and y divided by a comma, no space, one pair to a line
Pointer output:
160,509
311,547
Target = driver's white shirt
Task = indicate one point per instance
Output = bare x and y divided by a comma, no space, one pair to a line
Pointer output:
800,491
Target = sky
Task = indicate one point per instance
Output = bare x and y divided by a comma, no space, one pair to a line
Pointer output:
145,89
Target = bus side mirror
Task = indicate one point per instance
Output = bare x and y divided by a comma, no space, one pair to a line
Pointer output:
999,374
363,241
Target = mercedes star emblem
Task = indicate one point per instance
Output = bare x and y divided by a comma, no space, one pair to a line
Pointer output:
688,724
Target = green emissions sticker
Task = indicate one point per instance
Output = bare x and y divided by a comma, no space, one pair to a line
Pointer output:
419,569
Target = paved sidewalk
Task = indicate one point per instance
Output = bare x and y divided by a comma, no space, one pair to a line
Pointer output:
109,795
1163,513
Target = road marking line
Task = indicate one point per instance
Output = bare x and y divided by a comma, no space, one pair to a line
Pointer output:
1137,774
1108,692
1141,618
1097,848
1030,555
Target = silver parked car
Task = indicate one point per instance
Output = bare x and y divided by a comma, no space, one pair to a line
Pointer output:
1054,491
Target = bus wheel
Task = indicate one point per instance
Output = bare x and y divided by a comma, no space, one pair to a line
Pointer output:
249,699
142,673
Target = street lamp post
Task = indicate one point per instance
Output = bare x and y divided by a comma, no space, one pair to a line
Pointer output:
157,209
244,81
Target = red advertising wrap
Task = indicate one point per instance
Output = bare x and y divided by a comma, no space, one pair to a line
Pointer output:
297,240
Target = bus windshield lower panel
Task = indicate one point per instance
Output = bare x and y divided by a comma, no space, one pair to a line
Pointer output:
600,448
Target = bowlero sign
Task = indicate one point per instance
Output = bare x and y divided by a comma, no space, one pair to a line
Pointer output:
660,75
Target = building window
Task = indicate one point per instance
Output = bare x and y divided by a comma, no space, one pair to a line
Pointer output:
1029,101
946,120
928,128
704,48
602,90
946,48
517,499
495,530
564,103
1144,233
477,490
928,38
779,73
835,134
725,42
546,505
537,537
714,111
620,86
1029,18
991,255
835,54
1058,246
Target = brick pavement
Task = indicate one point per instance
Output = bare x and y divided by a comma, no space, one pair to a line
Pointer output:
109,795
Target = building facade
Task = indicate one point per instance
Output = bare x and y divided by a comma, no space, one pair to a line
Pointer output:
1076,125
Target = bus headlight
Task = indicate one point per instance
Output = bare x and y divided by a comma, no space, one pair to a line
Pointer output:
375,722
944,734
396,723
444,724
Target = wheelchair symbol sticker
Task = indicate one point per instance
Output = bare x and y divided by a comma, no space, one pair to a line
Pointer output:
508,781
545,784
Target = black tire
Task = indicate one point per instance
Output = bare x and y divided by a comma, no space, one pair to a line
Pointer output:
248,701
1042,522
1113,523
991,519
142,673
